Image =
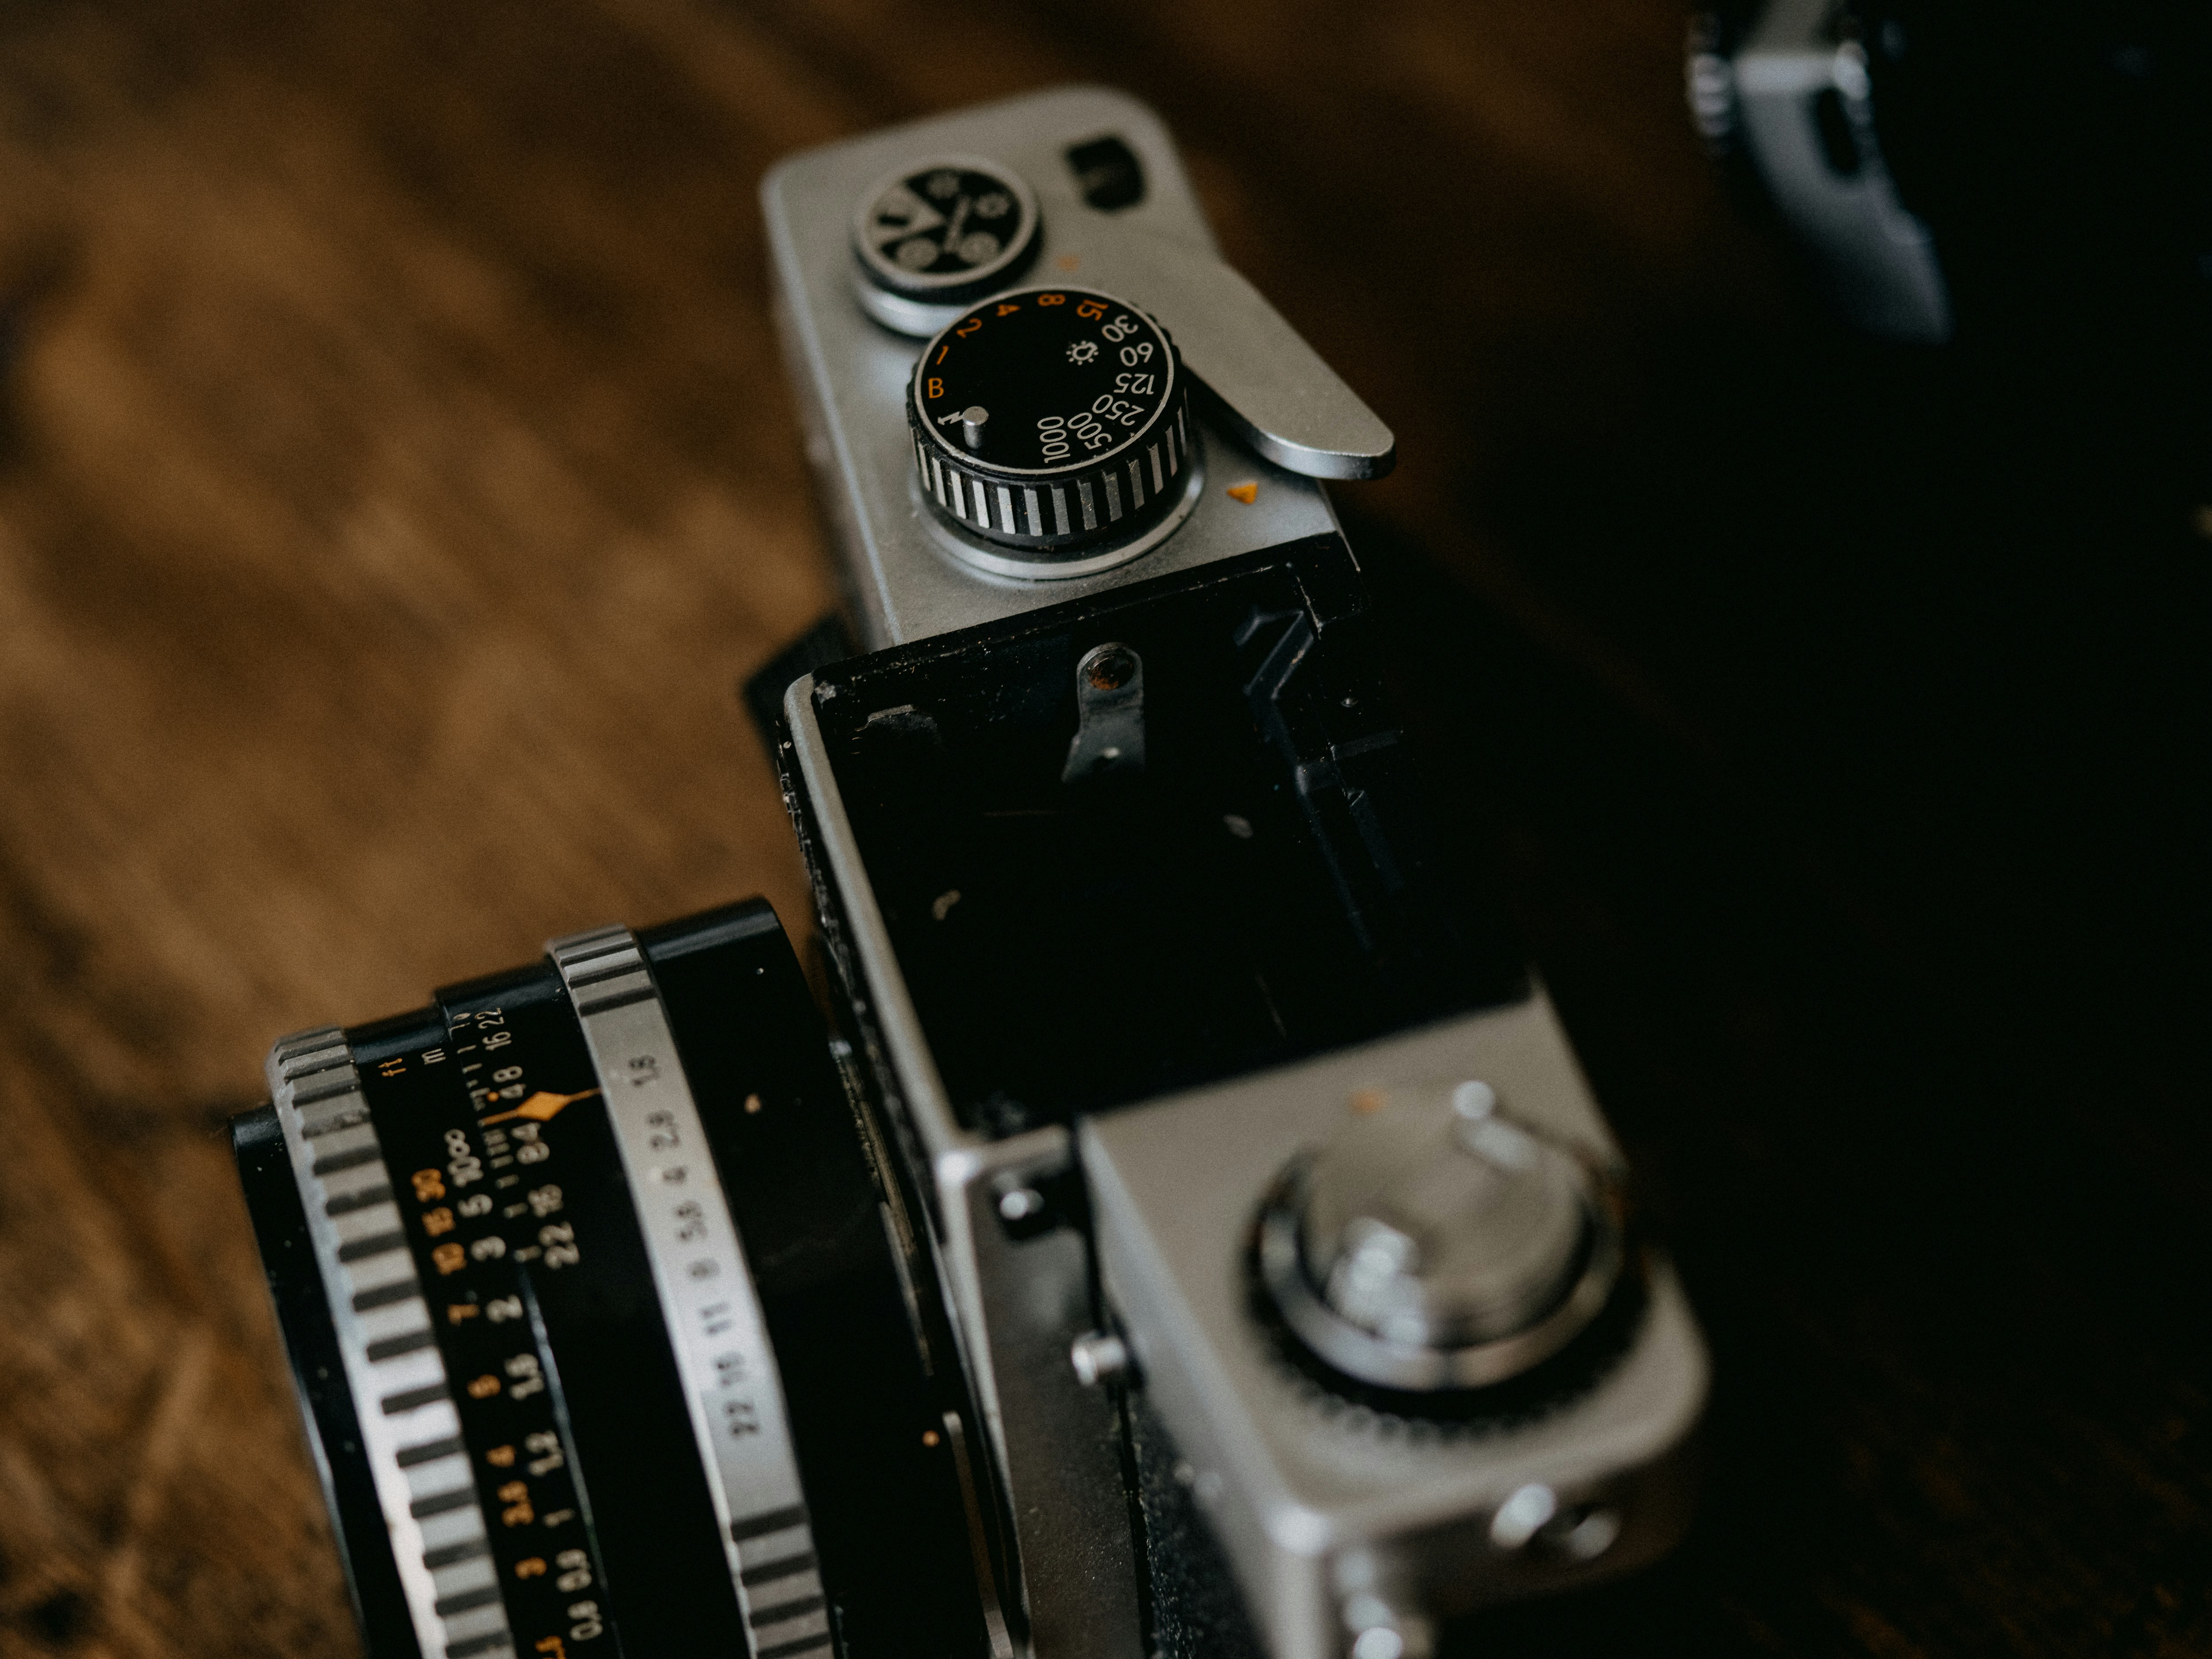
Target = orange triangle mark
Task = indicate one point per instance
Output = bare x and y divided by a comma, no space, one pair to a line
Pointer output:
540,1107
1246,493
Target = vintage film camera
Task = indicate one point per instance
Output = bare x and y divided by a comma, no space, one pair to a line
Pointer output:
1194,1237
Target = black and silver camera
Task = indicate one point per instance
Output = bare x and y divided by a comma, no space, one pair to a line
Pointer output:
1191,1234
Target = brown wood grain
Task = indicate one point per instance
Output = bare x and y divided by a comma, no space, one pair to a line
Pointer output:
398,477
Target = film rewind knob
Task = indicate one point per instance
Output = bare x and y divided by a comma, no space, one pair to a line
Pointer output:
1437,1242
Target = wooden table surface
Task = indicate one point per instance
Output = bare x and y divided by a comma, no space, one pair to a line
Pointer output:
398,475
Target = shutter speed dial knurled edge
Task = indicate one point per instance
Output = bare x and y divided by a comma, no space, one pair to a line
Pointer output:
1053,421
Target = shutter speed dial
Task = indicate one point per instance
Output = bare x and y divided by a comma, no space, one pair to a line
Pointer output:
1051,419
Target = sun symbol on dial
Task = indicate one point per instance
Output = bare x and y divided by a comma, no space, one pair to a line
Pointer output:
1083,351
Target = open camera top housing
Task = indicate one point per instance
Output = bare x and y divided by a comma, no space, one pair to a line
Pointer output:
1196,1237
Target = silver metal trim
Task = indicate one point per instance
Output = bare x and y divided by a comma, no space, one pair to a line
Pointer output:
1015,1306
732,1386
910,1057
402,1400
994,1617
899,314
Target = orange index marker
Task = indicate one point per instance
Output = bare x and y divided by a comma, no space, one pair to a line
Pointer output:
540,1107
1246,493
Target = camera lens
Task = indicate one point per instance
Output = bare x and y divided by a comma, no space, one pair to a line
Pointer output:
609,1337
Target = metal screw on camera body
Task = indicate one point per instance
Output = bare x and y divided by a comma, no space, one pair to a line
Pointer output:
1021,1204
1030,1203
1533,1516
1099,1357
1381,1621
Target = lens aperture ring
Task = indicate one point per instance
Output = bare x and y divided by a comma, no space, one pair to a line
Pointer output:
708,1300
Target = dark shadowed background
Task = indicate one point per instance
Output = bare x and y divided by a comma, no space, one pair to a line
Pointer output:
397,476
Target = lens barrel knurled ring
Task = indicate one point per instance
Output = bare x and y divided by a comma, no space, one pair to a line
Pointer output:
409,1427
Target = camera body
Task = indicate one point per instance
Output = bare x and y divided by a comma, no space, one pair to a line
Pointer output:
1195,1235
1138,1020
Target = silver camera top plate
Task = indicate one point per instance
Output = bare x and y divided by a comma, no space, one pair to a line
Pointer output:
904,576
